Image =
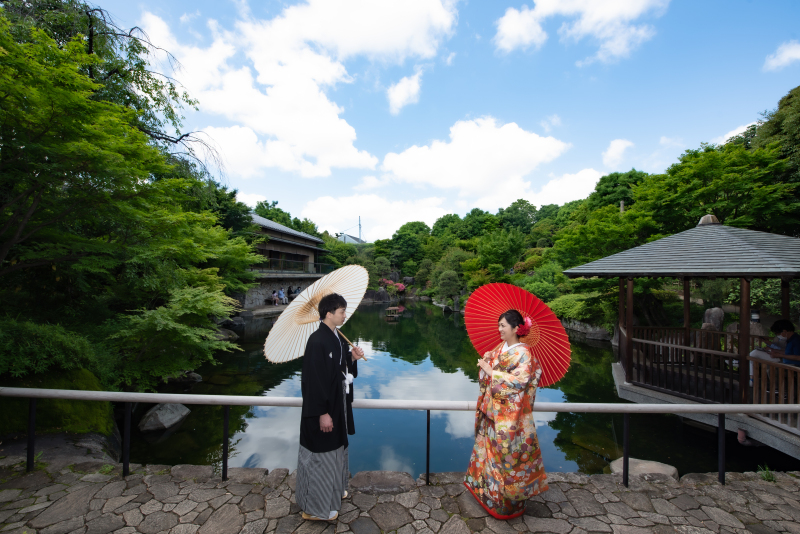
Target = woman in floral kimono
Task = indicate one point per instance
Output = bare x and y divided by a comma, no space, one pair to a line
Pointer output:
506,464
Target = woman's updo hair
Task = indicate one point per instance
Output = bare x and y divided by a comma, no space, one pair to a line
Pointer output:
512,317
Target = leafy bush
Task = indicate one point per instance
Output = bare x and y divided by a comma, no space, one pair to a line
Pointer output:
572,306
542,289
28,348
165,342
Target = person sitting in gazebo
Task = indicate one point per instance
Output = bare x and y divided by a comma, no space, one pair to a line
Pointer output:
785,330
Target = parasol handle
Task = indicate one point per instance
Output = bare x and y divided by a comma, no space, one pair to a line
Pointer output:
351,344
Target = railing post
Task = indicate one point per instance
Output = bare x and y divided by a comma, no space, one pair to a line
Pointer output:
629,334
126,441
744,341
428,453
626,432
721,447
31,432
226,417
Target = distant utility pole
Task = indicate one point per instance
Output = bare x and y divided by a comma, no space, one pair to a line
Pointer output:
622,206
359,227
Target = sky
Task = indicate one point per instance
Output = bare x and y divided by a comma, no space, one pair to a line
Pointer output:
408,110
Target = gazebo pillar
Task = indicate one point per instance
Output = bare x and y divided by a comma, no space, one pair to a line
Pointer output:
744,340
687,308
629,334
621,317
785,298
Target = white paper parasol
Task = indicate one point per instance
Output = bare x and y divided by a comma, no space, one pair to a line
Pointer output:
287,339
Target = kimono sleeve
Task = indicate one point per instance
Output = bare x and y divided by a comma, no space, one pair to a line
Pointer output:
316,375
521,370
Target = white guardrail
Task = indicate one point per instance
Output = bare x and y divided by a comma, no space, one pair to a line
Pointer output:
227,401
388,404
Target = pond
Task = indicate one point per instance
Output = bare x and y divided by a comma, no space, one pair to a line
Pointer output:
426,354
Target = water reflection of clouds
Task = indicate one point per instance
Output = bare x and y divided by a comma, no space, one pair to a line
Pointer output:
426,382
390,461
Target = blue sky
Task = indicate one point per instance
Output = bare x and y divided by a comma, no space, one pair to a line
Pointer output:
407,110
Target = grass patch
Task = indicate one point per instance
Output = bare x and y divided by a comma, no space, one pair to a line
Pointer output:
765,473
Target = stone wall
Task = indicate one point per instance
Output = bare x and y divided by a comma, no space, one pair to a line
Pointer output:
258,295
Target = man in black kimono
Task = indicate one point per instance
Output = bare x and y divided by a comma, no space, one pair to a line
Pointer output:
329,368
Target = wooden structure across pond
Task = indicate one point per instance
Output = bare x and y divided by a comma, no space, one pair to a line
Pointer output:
698,364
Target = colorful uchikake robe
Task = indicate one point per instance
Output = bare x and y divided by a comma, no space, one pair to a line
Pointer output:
506,464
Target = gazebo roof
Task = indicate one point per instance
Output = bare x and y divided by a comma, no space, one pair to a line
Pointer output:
708,250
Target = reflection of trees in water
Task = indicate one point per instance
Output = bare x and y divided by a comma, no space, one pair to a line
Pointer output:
587,439
199,438
426,332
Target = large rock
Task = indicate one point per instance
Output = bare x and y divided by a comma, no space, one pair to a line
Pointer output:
715,316
379,482
408,280
586,330
394,276
223,334
644,467
162,417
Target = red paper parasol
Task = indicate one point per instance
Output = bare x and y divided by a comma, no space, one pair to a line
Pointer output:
547,339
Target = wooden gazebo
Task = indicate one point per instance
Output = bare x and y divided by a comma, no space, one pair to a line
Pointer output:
698,364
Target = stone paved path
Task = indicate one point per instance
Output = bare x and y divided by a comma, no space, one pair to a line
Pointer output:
93,498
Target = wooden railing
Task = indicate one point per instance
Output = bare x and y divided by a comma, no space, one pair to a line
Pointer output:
700,374
704,367
777,384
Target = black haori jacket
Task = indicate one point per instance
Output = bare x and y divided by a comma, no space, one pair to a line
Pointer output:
325,361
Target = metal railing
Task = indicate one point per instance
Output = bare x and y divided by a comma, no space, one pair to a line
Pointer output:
293,267
380,404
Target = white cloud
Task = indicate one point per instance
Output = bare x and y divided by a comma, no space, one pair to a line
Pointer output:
271,76
610,24
449,59
676,142
615,152
785,55
372,182
251,199
481,158
404,92
380,217
566,188
519,29
549,122
186,17
722,139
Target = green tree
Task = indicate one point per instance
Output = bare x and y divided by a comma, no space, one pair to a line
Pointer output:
614,188
478,222
406,246
271,211
449,223
383,247
606,232
423,273
520,215
782,125
409,268
449,286
501,247
415,227
741,187
383,266
65,155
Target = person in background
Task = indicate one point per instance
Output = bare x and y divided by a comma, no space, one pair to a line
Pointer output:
785,330
282,296
274,298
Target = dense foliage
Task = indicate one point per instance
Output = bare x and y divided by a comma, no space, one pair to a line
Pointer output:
117,249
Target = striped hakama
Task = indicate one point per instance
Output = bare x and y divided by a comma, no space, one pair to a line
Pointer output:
321,480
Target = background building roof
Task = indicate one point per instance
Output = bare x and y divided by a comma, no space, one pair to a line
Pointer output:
272,225
708,250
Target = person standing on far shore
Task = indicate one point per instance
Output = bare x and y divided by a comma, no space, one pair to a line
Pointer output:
329,369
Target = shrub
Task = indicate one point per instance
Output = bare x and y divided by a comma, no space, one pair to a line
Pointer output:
542,289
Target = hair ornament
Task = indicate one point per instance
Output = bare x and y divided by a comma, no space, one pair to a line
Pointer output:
524,329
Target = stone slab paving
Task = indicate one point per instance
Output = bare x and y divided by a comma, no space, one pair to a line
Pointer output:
92,498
